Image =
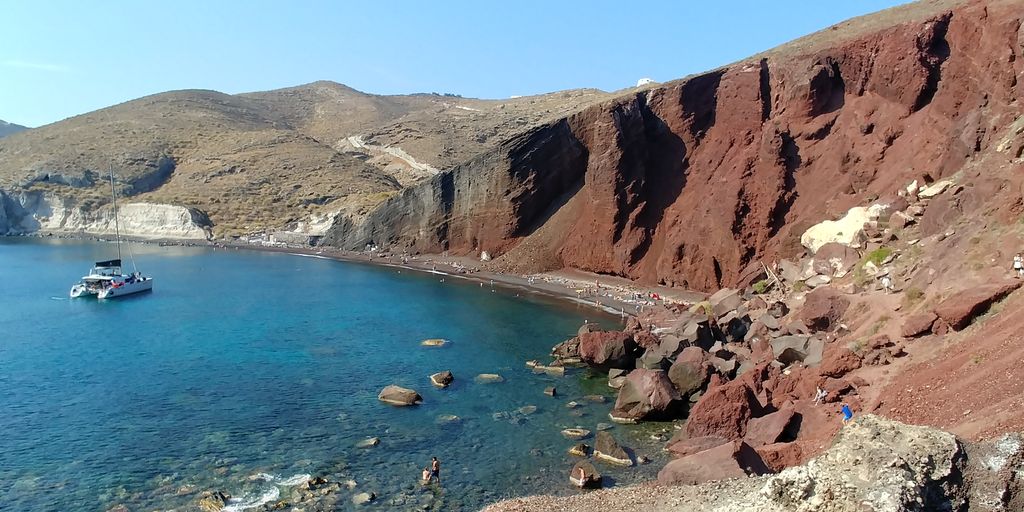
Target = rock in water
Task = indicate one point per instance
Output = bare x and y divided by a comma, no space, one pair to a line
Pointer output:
579,450
434,342
212,501
368,442
585,475
489,378
607,449
397,395
550,391
442,379
576,433
363,498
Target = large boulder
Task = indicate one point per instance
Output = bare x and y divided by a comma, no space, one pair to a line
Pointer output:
959,309
724,411
690,372
212,501
607,449
608,349
691,445
779,426
919,324
780,456
823,309
584,475
647,394
835,260
735,459
797,348
848,231
399,396
839,362
724,301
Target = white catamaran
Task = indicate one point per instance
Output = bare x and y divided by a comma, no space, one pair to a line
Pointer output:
106,280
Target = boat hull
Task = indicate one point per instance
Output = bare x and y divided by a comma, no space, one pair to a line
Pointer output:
126,289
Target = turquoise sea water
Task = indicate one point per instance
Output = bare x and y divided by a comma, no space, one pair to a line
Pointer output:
244,371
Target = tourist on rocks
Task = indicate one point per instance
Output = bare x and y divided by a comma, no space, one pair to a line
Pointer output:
847,413
1018,265
820,395
887,284
426,476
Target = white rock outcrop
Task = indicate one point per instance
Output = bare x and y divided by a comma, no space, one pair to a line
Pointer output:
30,212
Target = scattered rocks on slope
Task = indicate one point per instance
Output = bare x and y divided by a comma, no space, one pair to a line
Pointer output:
779,426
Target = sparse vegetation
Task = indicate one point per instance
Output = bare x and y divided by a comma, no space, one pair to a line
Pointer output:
912,295
977,358
761,286
877,256
799,286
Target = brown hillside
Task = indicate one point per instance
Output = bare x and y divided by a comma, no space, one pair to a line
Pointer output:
263,160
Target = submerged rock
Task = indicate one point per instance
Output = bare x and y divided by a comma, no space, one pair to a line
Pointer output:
434,342
363,498
580,450
489,378
399,396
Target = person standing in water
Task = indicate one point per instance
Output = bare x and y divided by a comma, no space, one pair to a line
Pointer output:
435,470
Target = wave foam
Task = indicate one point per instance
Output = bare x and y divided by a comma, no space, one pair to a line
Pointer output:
246,502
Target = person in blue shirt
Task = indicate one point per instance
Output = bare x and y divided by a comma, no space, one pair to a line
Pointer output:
847,413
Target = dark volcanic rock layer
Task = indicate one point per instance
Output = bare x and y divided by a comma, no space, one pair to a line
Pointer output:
687,183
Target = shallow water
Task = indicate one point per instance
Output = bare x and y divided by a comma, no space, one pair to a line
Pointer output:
246,371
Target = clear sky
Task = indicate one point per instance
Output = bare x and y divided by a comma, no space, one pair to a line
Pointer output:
62,58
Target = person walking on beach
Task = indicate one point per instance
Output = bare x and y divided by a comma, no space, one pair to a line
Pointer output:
1018,265
847,413
435,470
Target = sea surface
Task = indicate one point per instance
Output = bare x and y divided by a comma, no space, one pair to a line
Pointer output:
246,372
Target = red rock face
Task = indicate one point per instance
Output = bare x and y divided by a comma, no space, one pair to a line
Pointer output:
723,412
689,183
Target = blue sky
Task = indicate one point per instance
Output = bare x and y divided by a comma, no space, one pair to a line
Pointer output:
63,58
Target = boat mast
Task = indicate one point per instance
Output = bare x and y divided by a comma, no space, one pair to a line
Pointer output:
113,197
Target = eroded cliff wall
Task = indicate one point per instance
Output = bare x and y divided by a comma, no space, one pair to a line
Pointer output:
688,183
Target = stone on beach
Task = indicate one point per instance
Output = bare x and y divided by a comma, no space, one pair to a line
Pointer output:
399,396
442,379
724,411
